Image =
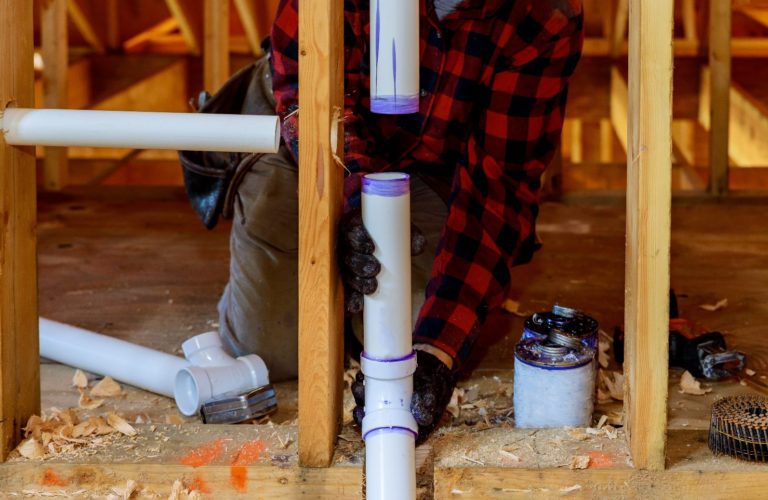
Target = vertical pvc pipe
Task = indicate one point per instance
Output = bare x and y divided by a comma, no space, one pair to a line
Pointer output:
394,52
388,362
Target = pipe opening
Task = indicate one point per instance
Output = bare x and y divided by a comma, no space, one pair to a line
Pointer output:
187,393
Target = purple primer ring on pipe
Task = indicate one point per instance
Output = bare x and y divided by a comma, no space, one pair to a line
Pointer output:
395,104
402,430
390,184
389,360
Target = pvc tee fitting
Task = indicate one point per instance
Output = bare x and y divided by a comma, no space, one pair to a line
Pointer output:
213,373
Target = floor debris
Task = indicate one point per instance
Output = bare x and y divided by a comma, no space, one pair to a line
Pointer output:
715,307
689,385
579,462
87,403
79,379
106,388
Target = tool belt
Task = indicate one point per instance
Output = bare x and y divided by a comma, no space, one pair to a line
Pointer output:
211,178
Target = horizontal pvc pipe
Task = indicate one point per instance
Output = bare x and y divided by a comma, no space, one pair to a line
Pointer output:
141,130
139,366
394,56
388,362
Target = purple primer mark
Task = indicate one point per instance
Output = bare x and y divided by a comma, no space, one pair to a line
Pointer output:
390,184
394,70
378,36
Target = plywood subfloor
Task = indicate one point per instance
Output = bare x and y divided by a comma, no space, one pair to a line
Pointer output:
136,264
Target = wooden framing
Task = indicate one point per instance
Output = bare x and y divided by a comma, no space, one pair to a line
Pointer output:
321,294
216,44
649,195
55,49
188,15
19,362
719,96
84,23
247,13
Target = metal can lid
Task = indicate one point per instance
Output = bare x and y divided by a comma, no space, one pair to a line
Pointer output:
562,318
546,354
232,410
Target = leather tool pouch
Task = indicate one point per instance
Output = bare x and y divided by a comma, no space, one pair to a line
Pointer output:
211,178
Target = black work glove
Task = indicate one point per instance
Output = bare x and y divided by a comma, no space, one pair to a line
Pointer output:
433,384
358,265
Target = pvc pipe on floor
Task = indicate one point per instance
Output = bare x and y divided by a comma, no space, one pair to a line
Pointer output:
139,366
388,362
394,56
141,130
208,373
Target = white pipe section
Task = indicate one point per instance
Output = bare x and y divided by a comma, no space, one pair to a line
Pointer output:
394,51
139,366
388,362
214,374
141,130
207,374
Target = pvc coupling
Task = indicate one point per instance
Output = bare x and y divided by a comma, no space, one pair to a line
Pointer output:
389,429
213,373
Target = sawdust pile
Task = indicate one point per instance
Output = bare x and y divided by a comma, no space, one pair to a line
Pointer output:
62,431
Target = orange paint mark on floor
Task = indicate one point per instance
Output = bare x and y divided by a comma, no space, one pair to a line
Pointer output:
248,454
51,479
199,484
205,454
600,460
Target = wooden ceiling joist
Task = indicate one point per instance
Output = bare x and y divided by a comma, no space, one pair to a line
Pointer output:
188,13
247,14
139,42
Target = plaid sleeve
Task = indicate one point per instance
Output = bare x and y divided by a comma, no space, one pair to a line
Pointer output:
493,204
285,73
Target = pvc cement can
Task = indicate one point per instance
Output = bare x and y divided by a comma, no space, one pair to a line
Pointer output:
554,385
569,322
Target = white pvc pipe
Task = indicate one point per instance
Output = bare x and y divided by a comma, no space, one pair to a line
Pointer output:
139,366
388,362
394,51
207,374
141,130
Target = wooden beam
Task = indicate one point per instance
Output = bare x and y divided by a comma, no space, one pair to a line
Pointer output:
719,85
321,51
606,141
619,103
19,353
620,28
740,47
55,50
188,14
113,25
140,41
649,195
247,13
216,45
577,151
83,21
689,21
757,14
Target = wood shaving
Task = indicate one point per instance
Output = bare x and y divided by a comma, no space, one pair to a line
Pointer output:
176,490
570,489
513,307
689,385
86,403
106,388
578,434
611,432
125,492
715,307
120,425
31,448
602,421
478,462
602,357
79,379
453,405
579,462
284,443
750,372
509,455
614,382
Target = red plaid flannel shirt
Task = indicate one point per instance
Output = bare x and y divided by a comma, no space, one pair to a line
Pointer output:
494,78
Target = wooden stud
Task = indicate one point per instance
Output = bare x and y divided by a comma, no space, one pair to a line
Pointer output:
720,85
19,352
247,13
83,21
577,152
606,141
620,28
189,16
619,103
55,50
649,195
113,25
689,21
216,46
321,50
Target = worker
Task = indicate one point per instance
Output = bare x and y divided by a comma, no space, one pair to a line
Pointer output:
494,78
